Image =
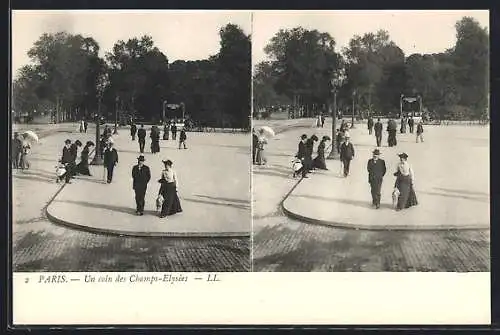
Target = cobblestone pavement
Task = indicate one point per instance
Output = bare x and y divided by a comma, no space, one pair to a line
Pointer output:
284,245
39,245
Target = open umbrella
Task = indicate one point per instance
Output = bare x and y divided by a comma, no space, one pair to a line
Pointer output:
31,136
266,131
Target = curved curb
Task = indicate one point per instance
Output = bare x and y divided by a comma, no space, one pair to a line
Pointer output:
114,232
354,226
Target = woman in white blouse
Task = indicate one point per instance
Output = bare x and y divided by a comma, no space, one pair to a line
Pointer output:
169,184
404,183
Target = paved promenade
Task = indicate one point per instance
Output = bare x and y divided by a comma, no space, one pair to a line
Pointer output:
214,191
40,245
286,244
451,181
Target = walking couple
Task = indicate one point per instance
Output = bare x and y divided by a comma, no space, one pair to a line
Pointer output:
141,176
404,181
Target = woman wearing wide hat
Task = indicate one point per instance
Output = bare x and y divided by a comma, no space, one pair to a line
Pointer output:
83,167
319,162
404,183
168,190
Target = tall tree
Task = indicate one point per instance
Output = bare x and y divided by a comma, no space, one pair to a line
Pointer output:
303,62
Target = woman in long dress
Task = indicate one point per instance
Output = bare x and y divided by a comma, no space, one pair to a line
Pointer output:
83,167
260,157
168,190
404,183
25,152
320,162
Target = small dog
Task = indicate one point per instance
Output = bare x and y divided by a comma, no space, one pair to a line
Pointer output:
395,196
159,202
60,172
297,167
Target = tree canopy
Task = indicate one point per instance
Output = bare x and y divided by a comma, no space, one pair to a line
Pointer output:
375,72
65,70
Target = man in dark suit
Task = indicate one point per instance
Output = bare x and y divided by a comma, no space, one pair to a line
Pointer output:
370,125
174,131
376,171
411,124
308,162
378,132
141,176
346,155
66,159
302,153
110,161
182,139
141,135
133,131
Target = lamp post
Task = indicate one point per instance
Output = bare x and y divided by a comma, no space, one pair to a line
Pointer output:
333,89
101,85
352,117
117,99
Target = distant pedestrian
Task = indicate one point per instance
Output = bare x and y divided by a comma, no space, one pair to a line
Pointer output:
378,132
260,158
141,136
155,139
168,190
405,184
320,161
370,125
166,131
182,139
340,139
66,159
301,154
255,143
391,130
403,126
141,176
24,161
133,131
411,124
376,172
322,120
174,131
17,147
85,125
346,155
420,131
74,154
110,161
82,126
309,151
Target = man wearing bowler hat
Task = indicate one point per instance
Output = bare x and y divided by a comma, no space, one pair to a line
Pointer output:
141,176
376,171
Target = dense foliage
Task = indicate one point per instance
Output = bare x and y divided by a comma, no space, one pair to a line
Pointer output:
66,69
373,72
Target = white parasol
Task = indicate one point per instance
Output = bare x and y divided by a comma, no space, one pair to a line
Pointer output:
31,136
266,131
